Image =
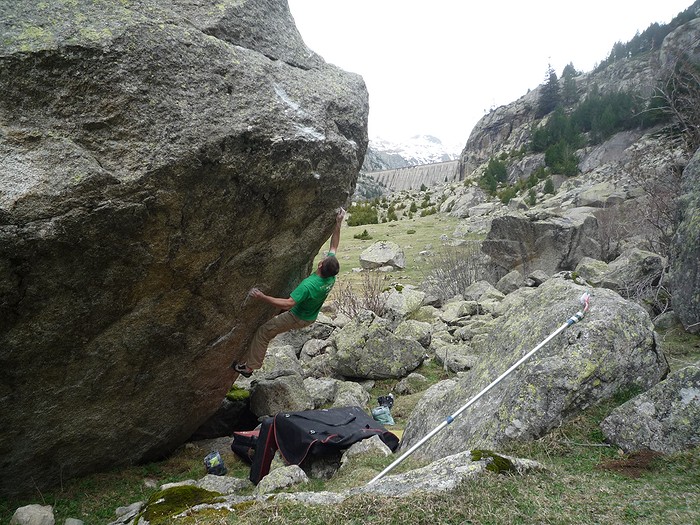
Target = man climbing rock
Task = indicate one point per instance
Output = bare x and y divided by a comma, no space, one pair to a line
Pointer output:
300,309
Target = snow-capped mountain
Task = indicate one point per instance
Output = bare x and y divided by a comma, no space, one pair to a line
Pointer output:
420,149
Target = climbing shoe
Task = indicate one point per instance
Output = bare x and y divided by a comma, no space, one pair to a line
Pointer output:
243,369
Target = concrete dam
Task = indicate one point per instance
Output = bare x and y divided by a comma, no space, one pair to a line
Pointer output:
413,177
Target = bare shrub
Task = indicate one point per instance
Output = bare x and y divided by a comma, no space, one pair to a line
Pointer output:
655,170
651,292
611,231
454,268
350,301
678,95
617,224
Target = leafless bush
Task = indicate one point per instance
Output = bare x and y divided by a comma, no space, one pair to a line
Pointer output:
659,175
678,95
651,292
454,268
349,301
611,231
618,224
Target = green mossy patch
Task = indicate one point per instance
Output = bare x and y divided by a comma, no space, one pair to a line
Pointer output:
237,393
494,462
164,504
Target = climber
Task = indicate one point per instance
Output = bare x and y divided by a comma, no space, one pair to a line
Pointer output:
301,307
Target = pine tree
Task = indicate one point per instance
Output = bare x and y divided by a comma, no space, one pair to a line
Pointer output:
570,92
550,97
549,186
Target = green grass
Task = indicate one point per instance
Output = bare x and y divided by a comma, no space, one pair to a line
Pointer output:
413,235
94,498
681,348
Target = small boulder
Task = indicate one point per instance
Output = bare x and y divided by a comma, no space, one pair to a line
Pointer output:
33,515
665,419
633,268
454,310
284,393
401,303
416,330
536,278
412,383
349,394
510,282
383,253
314,348
321,390
372,447
482,291
456,357
281,478
592,270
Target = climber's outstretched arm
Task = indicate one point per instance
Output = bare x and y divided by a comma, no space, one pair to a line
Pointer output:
335,238
283,304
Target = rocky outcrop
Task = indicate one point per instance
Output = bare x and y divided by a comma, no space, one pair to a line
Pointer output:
464,204
157,160
685,263
367,348
666,418
503,128
508,128
612,349
550,244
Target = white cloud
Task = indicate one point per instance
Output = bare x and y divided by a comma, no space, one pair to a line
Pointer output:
436,67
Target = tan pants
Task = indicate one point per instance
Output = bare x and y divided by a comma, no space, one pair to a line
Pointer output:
283,322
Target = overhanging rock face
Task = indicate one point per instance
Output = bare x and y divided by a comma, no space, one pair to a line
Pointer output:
157,160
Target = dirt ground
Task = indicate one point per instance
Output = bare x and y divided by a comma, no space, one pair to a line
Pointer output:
633,465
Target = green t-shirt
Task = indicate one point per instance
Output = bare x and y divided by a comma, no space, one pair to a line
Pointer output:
310,295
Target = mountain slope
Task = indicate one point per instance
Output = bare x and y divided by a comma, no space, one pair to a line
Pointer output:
417,150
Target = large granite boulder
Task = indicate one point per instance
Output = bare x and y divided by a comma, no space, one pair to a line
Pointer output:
610,350
665,419
157,160
366,348
550,244
685,261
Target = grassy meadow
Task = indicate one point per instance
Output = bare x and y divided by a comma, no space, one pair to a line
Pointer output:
414,236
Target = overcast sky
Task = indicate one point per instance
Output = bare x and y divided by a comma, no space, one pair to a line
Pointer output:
436,67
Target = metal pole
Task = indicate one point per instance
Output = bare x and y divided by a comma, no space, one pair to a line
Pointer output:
573,319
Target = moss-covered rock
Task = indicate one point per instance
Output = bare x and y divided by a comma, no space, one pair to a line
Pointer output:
665,419
366,348
164,504
237,394
611,349
494,462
